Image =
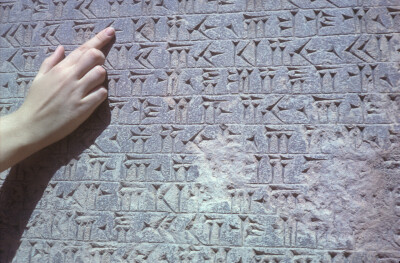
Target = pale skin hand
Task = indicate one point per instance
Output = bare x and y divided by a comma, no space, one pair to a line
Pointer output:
64,94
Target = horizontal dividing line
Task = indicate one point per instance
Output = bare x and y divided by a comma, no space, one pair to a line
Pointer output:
76,180
211,13
112,245
196,154
237,124
273,66
254,94
169,244
227,67
255,124
230,95
257,153
233,95
233,67
250,184
227,39
55,180
113,124
314,250
158,212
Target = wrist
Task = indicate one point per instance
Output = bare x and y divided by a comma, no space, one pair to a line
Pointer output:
12,131
29,138
21,132
15,144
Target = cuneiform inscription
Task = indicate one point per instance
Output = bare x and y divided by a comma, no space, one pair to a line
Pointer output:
234,131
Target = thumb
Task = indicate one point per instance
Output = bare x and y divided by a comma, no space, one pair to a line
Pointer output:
52,60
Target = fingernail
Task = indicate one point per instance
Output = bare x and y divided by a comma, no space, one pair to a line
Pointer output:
110,31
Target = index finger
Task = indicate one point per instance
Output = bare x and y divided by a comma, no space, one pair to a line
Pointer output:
98,42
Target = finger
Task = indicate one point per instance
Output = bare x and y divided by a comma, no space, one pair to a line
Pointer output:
98,42
94,98
101,39
88,61
52,60
92,79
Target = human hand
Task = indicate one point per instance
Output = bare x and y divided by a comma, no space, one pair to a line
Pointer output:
64,94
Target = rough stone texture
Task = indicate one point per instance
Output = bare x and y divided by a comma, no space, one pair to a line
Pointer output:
235,131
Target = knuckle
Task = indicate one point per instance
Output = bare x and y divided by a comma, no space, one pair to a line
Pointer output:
82,48
93,52
97,54
103,93
101,71
58,69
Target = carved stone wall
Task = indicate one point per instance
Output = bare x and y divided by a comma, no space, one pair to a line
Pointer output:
235,131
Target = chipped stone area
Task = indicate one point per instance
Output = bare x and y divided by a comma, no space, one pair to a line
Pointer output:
349,197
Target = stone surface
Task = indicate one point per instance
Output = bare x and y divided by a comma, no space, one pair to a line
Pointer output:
235,131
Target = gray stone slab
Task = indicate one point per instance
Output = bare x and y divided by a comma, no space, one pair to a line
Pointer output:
235,131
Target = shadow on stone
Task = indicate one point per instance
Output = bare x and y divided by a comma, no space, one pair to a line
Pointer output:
26,182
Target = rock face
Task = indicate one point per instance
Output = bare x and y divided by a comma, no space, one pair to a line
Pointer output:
236,131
